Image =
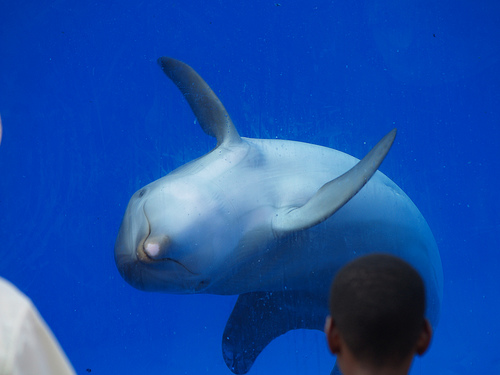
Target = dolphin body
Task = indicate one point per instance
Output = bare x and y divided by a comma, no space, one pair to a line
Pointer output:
269,220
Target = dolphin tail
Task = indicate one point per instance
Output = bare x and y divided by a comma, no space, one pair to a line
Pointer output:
259,317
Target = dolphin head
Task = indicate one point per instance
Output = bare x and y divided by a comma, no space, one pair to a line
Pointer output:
168,238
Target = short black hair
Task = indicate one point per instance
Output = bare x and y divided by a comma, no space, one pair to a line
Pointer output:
378,304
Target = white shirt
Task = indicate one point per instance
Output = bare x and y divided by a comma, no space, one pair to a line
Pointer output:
27,346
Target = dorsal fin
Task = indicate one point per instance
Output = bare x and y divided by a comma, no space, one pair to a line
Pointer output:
206,106
334,194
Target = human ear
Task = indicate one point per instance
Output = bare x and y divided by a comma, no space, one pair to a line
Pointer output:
424,339
332,335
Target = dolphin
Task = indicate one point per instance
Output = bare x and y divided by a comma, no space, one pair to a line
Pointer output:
271,221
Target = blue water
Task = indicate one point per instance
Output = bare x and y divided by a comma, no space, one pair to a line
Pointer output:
89,118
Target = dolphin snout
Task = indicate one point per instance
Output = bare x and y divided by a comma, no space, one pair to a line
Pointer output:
154,250
156,247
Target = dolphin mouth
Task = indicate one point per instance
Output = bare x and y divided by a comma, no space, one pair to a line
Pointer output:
143,257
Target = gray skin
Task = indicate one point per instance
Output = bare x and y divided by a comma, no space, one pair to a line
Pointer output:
269,220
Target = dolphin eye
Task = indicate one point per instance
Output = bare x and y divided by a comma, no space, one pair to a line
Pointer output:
141,193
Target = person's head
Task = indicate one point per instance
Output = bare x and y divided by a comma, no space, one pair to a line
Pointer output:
377,306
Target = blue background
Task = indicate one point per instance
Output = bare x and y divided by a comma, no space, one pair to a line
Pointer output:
89,118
